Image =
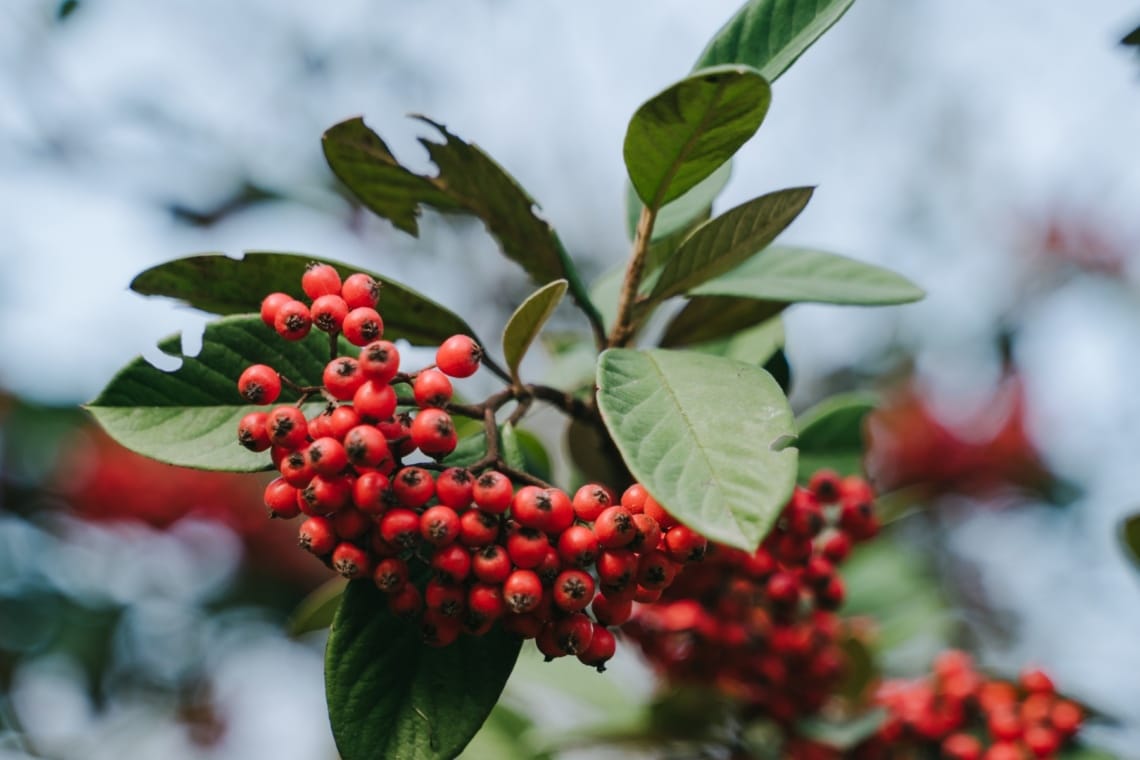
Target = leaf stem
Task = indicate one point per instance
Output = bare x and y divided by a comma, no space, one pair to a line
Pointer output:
624,326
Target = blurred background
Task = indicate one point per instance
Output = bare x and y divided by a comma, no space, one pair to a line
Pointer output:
987,151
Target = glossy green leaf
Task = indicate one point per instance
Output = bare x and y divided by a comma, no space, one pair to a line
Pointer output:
755,345
511,450
392,697
770,35
789,275
317,610
677,216
527,321
1129,534
725,242
468,182
685,133
535,459
712,318
831,434
218,284
189,417
707,436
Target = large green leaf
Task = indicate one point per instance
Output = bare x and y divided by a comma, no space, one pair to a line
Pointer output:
527,321
707,436
685,133
831,434
189,417
468,182
789,275
770,35
391,697
218,284
709,318
755,345
724,243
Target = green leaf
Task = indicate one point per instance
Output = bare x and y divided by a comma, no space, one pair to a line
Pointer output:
507,735
685,133
679,215
527,321
392,697
755,345
468,182
842,735
535,460
723,243
1128,532
770,35
831,434
218,284
707,436
189,417
317,610
1132,38
711,318
512,452
789,275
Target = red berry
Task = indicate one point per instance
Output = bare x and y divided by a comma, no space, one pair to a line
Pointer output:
1003,751
360,290
491,564
547,642
458,356
549,566
398,432
1042,741
439,525
407,602
452,563
351,523
293,321
455,487
327,456
320,280
271,304
447,599
837,547
400,527
825,485
1005,725
648,533
324,495
527,547
574,633
961,747
343,419
783,589
434,433
492,492
485,602
380,361
370,491
296,469
365,446
431,388
617,569
321,426
1066,718
658,513
374,401
362,326
252,431
390,574
477,528
281,499
685,544
1037,681
287,427
260,384
643,595
590,500
342,377
633,498
655,570
560,514
614,527
328,313
439,630
601,649
522,591
573,590
531,507
578,546
316,535
831,595
413,486
611,610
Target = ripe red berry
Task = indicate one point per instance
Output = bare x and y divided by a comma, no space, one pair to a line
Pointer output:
547,642
328,313
413,486
320,280
578,546
439,630
491,564
321,426
370,491
433,432
825,485
287,427
529,507
252,431
685,544
390,574
601,649
342,419
271,304
573,590
617,569
648,533
783,588
633,498
477,528
452,563
574,633
837,547
458,356
360,290
400,527
362,326
324,495
492,492
365,446
431,388
374,401
614,527
259,384
380,361
327,456
590,500
350,523
342,377
439,525
447,599
527,547
611,610
831,595
1066,717
522,591
295,468
485,602
316,535
655,571
455,487
560,512
407,602
281,499
293,321
658,513
1036,681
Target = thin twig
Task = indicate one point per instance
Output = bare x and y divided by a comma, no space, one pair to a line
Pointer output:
624,326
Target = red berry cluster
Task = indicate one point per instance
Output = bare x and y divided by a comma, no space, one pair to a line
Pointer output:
456,549
967,716
760,626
